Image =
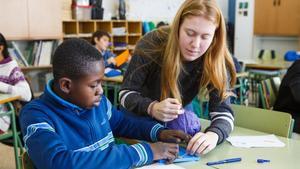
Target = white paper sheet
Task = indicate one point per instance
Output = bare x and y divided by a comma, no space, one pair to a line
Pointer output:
161,166
255,141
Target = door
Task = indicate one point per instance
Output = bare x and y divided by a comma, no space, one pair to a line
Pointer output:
288,17
265,17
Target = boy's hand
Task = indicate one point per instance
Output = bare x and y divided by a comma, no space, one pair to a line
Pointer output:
111,60
166,151
174,136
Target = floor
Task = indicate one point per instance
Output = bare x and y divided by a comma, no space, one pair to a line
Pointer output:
7,157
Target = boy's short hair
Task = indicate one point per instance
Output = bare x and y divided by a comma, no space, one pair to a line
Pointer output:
73,58
98,35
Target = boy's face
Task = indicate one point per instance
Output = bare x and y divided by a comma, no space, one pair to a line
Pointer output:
102,43
86,91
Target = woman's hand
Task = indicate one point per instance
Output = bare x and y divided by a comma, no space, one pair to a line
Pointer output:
166,110
202,143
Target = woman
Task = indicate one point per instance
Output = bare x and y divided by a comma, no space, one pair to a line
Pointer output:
171,65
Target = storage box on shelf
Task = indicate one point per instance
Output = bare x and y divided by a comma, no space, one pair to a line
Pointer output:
125,34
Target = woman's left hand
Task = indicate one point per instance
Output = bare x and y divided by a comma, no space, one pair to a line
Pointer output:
202,143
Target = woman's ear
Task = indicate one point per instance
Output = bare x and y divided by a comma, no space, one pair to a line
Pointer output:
65,85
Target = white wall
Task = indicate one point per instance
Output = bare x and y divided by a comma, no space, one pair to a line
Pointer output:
243,36
150,10
279,44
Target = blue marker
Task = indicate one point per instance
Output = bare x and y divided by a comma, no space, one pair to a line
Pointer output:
262,161
230,160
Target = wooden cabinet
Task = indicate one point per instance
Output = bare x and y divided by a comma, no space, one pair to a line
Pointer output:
277,17
124,34
45,19
13,19
30,19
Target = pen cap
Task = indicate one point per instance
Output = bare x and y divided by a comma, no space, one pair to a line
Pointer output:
262,161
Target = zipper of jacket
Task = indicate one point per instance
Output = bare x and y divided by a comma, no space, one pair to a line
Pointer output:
93,136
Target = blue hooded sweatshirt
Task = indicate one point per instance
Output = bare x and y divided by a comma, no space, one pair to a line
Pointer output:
58,134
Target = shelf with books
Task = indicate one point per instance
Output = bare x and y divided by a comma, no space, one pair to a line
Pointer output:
32,53
34,59
33,68
124,34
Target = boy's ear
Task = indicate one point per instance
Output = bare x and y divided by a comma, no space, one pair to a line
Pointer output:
65,85
96,39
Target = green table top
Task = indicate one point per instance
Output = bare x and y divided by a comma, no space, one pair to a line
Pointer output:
287,157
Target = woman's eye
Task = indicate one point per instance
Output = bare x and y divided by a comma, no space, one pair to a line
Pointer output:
206,36
189,33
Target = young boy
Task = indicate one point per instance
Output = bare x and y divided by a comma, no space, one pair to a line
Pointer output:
100,40
72,125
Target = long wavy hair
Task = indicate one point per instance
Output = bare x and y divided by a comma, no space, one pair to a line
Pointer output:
165,46
4,43
217,59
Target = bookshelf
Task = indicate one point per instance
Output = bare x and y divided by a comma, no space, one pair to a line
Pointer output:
34,59
124,34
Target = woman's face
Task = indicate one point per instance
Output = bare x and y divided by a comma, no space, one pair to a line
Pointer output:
195,36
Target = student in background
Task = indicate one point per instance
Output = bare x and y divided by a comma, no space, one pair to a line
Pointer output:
72,125
12,81
100,40
170,66
288,99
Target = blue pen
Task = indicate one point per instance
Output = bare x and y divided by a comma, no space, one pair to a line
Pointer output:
262,161
230,160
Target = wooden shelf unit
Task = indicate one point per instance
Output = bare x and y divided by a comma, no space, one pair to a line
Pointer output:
85,29
277,17
32,68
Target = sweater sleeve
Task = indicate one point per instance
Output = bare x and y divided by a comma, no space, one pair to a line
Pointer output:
142,128
48,151
130,93
18,85
221,116
21,88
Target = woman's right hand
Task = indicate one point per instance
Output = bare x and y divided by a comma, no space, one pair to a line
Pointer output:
166,151
166,110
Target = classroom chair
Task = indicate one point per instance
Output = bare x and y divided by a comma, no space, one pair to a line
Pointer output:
13,133
268,121
26,161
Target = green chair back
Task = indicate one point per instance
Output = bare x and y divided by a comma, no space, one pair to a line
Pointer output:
268,121
13,133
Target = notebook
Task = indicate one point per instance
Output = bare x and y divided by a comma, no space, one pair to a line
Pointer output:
122,58
183,157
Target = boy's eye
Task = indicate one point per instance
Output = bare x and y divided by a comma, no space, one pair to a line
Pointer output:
93,86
